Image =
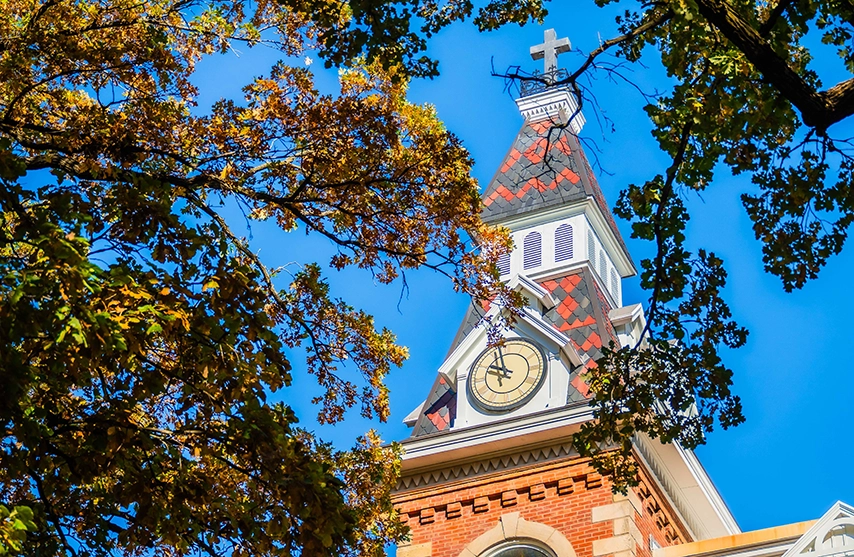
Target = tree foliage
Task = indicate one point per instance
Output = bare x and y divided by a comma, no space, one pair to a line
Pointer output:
13,528
745,95
145,349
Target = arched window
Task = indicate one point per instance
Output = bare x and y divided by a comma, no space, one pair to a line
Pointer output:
603,266
504,264
520,550
532,250
563,242
615,285
506,540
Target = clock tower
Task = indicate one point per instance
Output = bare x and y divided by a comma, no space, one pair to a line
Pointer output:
489,469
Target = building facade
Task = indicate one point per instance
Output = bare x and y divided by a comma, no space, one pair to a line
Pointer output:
489,469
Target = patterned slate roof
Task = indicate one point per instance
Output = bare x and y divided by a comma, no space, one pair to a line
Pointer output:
440,410
544,168
582,314
606,310
474,314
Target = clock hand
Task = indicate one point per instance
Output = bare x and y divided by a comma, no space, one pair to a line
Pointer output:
506,372
496,374
503,365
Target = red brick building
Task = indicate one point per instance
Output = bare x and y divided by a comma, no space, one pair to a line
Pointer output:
489,469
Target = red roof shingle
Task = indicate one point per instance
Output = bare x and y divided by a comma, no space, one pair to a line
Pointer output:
546,167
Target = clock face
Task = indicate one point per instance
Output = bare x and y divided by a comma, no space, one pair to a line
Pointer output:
504,378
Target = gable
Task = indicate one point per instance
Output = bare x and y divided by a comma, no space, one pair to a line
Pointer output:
568,315
832,535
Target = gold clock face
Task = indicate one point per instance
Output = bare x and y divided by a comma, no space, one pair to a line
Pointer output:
504,378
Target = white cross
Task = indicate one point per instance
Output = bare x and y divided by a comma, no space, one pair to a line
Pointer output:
551,47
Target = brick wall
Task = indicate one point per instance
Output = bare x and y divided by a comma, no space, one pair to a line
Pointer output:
445,518
658,518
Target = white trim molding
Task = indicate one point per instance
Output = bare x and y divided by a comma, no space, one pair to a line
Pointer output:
688,488
487,466
501,437
832,535
511,527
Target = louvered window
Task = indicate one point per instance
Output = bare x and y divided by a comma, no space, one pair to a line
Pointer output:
603,266
591,248
504,264
563,243
532,254
615,285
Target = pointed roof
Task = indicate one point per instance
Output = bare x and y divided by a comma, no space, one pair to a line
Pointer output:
581,312
546,167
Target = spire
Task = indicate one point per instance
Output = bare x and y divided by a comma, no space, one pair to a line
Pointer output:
546,167
568,261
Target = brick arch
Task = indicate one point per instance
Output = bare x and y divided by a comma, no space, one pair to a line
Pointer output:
511,527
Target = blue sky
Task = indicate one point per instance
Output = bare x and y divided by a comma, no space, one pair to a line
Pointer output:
790,461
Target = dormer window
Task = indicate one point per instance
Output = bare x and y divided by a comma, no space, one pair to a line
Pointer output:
532,251
563,243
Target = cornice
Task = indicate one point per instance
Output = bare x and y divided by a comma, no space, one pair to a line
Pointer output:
768,541
555,104
687,487
487,466
508,436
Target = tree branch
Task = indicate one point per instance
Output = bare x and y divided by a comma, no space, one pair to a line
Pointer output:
774,16
662,18
51,515
667,192
818,110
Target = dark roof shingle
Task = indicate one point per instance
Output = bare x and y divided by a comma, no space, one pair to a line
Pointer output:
546,167
581,313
